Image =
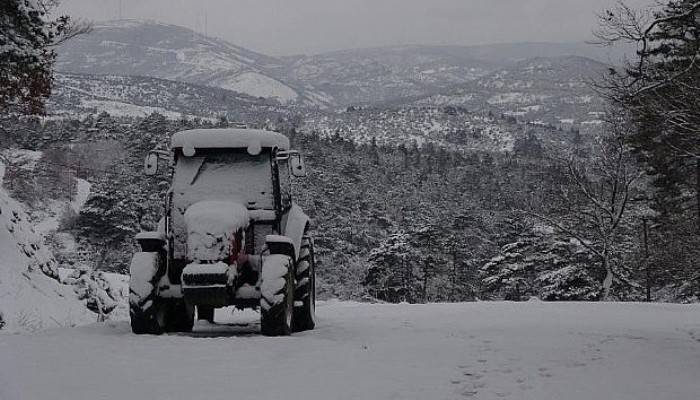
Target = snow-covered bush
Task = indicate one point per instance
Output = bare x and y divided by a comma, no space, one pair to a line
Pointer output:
569,283
68,219
512,273
541,265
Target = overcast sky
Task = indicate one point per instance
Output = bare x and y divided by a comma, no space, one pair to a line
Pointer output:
286,27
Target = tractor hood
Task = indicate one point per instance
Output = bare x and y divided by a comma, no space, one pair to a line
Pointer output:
211,227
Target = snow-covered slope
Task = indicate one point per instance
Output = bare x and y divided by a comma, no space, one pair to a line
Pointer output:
485,351
31,297
147,48
139,96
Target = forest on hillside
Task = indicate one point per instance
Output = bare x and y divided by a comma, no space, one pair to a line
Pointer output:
563,217
402,223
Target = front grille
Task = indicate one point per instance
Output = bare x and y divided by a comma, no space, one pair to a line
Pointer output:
204,279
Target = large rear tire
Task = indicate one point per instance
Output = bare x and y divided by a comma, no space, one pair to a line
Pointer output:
305,293
146,310
277,301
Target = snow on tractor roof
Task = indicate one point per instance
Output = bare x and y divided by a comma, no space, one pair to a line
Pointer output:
229,138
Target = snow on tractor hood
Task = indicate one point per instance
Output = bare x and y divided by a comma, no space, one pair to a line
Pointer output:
211,226
228,139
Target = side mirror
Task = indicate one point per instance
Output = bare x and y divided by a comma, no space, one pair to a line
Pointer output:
296,165
150,165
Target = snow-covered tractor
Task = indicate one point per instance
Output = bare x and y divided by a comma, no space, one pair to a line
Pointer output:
231,236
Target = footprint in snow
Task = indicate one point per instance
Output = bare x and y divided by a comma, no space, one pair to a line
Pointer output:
575,364
479,385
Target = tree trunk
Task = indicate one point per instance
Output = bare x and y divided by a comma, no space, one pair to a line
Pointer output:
697,191
607,282
646,260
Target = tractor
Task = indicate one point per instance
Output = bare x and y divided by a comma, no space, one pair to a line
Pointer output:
231,235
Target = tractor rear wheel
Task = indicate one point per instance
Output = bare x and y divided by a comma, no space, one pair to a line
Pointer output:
146,310
277,301
305,293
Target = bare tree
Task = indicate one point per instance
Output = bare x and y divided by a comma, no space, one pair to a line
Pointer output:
594,203
659,89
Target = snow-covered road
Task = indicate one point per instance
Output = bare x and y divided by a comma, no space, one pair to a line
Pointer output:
442,351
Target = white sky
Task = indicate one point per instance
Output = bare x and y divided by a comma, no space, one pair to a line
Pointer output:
286,27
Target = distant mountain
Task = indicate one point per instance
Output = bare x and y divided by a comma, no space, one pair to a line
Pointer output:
145,48
561,72
380,74
553,90
384,74
505,54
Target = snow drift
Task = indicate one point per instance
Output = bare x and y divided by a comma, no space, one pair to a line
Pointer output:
31,296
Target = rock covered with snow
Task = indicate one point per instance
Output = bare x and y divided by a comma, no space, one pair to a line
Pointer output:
95,289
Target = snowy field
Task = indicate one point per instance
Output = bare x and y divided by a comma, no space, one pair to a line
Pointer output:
529,350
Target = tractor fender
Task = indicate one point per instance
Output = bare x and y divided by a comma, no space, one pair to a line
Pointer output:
294,224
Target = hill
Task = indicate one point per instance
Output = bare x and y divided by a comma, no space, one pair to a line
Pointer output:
551,90
140,96
147,48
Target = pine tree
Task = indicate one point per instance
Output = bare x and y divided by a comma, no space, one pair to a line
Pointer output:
26,37
390,276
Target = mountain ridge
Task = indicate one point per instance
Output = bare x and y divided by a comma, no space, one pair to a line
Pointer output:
337,78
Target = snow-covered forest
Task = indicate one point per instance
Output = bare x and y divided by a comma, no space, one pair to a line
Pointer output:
546,190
